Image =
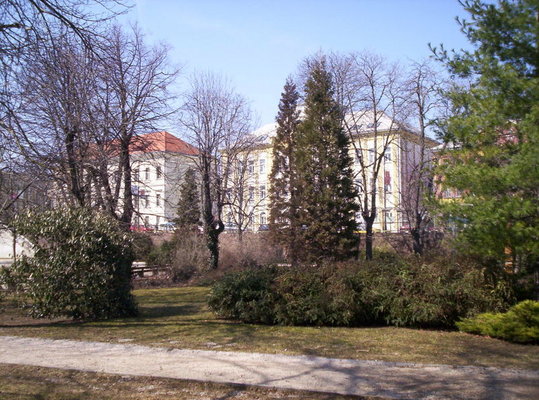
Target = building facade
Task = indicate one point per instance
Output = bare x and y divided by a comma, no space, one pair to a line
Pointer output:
400,150
159,161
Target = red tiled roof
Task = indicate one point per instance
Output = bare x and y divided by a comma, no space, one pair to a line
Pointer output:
161,141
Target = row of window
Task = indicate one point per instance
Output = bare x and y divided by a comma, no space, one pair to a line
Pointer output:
143,200
262,219
372,156
251,166
146,174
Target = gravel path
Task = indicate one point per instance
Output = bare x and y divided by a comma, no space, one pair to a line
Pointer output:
374,378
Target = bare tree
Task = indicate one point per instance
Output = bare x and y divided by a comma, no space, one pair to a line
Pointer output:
26,23
422,88
217,121
369,90
133,99
243,196
82,112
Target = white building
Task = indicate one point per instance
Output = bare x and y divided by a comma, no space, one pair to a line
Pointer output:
158,163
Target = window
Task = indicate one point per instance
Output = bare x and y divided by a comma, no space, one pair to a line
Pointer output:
387,182
251,167
146,200
263,220
147,173
372,154
158,199
158,172
388,220
262,166
251,193
387,155
136,175
263,192
147,221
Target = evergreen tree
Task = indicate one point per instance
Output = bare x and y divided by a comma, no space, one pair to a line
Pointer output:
495,127
283,199
189,203
324,184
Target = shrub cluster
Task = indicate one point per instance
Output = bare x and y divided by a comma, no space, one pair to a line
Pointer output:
81,266
388,290
519,324
186,254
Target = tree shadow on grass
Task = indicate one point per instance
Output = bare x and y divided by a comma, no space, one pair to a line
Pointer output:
147,312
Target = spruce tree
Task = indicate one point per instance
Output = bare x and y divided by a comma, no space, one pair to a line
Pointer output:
283,204
495,127
189,203
324,181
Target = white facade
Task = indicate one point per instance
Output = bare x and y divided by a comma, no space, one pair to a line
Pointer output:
157,174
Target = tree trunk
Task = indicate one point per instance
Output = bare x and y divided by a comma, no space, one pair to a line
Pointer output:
417,242
128,208
369,238
212,223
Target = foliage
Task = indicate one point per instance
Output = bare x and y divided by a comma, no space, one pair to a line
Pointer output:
253,249
428,293
386,290
81,266
142,245
186,254
190,255
189,203
283,191
325,295
519,324
245,295
326,194
495,126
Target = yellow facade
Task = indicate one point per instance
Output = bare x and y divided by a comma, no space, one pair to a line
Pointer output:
398,162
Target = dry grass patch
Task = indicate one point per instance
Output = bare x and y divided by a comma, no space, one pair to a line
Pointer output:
35,383
179,318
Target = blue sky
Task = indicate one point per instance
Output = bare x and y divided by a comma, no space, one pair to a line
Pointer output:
257,44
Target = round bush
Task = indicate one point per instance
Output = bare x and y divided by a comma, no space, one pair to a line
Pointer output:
81,266
519,324
247,295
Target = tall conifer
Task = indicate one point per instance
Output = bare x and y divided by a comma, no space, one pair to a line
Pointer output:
189,203
324,173
283,208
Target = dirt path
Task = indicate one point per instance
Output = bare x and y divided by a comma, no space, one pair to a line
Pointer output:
373,378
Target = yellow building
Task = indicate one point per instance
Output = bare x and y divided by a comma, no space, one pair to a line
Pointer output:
397,148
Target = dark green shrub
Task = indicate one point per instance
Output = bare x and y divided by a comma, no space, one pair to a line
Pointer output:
316,295
81,266
519,324
142,245
390,290
427,293
163,254
246,295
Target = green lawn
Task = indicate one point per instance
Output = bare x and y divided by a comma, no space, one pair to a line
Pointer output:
179,318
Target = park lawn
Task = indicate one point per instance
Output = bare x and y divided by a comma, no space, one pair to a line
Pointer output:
180,318
19,382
